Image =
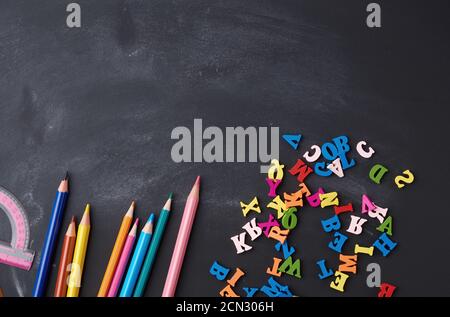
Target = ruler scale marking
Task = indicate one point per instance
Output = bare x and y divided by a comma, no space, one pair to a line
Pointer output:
16,252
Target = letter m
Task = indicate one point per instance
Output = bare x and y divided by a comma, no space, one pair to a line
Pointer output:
301,169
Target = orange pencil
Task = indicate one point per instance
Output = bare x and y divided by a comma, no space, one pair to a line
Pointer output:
65,260
1,293
117,250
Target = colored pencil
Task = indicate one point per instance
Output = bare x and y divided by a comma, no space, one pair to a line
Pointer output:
137,259
123,261
153,249
117,250
79,255
59,204
65,260
1,293
182,240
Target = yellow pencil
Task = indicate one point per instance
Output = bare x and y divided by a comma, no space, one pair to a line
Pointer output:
79,254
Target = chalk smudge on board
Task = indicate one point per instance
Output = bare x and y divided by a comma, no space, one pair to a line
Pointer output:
28,199
18,285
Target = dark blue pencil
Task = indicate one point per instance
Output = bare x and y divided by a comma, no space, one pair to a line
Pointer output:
52,235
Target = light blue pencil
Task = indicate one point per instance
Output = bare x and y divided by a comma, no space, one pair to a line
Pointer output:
137,259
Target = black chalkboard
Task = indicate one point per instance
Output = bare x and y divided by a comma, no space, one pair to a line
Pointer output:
101,101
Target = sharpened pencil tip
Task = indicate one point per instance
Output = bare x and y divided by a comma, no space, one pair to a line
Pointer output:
134,228
148,228
168,203
130,211
196,188
71,231
64,184
86,216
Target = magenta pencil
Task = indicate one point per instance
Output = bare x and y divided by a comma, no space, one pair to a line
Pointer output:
182,241
123,261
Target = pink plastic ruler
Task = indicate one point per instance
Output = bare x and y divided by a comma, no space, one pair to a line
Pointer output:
16,252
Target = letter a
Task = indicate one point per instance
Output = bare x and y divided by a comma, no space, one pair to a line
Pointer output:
374,18
386,226
374,278
74,18
336,167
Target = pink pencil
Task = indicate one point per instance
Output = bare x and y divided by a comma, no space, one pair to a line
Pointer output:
123,261
182,240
